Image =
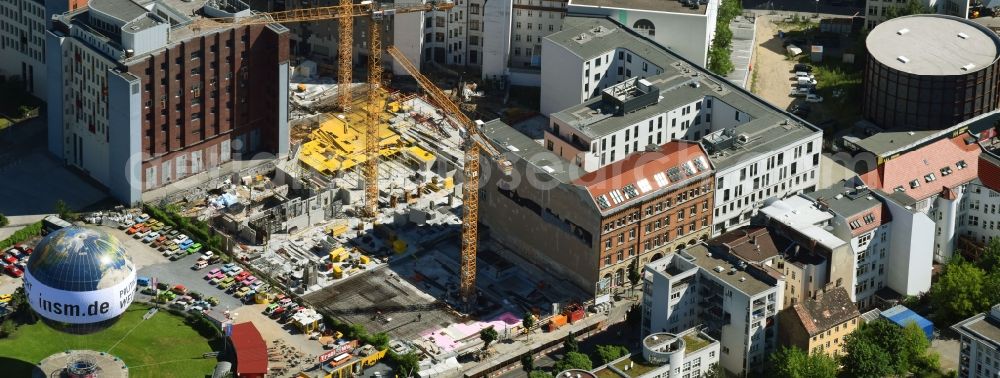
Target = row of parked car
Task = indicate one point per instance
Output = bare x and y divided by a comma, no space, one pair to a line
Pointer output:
804,83
235,280
14,260
283,308
158,235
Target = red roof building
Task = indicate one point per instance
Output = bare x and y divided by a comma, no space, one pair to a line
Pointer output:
928,170
251,350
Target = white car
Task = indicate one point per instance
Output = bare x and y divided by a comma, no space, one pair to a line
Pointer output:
812,97
235,271
806,81
207,254
804,74
800,92
180,239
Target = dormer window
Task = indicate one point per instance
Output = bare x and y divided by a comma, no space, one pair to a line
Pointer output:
914,184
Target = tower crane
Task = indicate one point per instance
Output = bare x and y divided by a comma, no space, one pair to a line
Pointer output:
474,143
345,13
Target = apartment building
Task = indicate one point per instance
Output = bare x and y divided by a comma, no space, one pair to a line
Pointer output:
821,323
981,204
735,302
842,235
610,91
138,98
589,227
930,172
979,355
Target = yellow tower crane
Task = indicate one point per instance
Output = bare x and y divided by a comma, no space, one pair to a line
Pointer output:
474,143
345,13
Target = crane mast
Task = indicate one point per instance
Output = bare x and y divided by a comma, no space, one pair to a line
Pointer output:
474,144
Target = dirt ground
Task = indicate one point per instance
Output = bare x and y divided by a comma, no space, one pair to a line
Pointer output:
773,71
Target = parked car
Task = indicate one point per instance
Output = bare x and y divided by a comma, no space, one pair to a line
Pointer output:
151,236
802,67
208,254
194,248
142,218
249,280
235,270
799,92
134,228
125,224
812,97
200,264
13,271
242,275
180,239
806,82
185,244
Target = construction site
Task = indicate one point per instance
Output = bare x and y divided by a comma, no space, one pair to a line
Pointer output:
369,219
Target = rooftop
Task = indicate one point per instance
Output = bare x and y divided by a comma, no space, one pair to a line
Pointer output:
983,326
932,44
857,204
664,6
890,142
989,169
928,170
521,147
729,273
645,174
753,244
826,310
680,83
802,215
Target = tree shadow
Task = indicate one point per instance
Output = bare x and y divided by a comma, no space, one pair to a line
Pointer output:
17,368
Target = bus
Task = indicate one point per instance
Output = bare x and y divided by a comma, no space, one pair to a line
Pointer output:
52,223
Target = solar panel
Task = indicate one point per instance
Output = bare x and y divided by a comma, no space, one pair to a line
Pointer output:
630,191
644,185
661,179
602,201
700,163
674,174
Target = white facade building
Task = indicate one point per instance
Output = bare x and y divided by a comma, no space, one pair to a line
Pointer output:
981,205
736,303
22,44
849,221
979,356
610,92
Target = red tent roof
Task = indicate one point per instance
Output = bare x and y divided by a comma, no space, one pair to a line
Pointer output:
251,351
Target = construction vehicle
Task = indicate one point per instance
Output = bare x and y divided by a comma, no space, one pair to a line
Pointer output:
474,143
345,13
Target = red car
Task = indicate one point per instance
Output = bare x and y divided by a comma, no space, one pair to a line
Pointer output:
13,271
243,275
25,250
10,259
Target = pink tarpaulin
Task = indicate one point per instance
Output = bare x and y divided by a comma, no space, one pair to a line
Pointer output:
448,338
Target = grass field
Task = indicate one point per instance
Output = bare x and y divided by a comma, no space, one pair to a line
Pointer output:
163,346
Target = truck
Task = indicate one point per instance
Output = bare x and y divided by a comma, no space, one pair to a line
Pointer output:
53,223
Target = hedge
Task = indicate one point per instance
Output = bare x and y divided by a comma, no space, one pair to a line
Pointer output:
197,229
19,236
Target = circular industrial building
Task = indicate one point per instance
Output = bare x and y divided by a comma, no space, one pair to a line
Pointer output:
929,72
79,279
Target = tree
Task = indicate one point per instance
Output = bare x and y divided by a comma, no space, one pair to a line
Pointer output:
795,363
880,348
19,300
379,340
574,360
539,374
865,359
570,344
3,221
959,291
488,335
911,7
527,363
633,273
528,323
7,328
719,61
63,211
408,364
608,353
990,260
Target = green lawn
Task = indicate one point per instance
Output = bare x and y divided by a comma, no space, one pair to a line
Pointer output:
163,346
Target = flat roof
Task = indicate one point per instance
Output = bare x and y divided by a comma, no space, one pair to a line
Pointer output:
664,6
740,280
681,82
521,147
932,44
845,199
985,326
